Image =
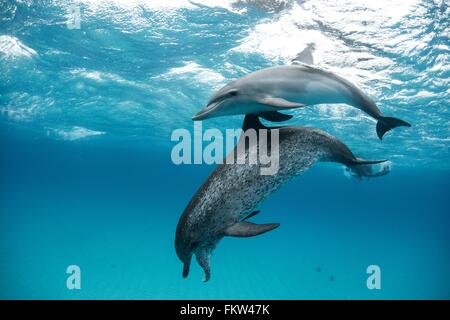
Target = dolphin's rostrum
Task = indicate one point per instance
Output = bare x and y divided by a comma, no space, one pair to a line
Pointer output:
232,192
266,92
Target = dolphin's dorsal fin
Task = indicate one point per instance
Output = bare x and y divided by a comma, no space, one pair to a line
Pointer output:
248,229
305,56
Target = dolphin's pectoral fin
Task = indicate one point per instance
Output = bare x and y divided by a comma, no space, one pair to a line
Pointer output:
252,214
203,260
248,229
279,103
274,116
186,267
252,121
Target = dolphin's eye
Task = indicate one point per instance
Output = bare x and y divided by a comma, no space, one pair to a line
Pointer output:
233,93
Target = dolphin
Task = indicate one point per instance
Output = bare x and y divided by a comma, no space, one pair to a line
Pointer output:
229,196
266,92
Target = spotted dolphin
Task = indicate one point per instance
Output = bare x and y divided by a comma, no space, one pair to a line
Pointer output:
266,92
230,195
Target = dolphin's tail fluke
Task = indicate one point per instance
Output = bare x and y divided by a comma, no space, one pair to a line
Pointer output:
368,168
385,124
359,161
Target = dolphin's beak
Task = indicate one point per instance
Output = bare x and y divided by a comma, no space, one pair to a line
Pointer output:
199,115
206,113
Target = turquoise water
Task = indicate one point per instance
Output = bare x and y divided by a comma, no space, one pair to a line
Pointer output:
86,176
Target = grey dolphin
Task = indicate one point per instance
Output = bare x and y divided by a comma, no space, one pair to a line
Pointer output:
267,91
231,193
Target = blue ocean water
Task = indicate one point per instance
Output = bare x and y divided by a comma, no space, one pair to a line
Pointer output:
86,177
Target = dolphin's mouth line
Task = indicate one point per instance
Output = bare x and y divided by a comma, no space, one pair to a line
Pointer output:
210,108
